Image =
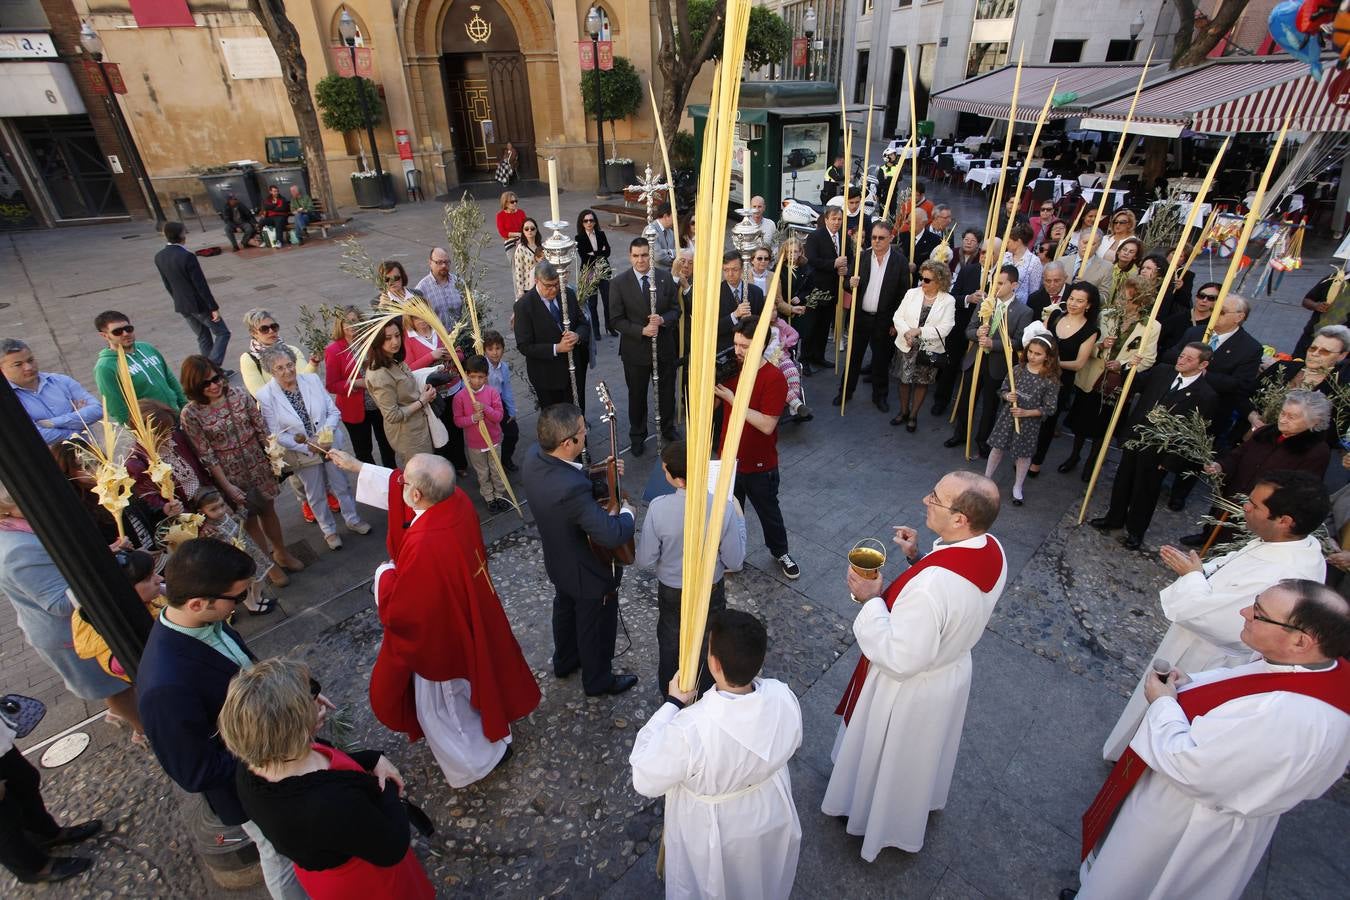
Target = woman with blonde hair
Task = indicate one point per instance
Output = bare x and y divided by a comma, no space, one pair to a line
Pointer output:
365,425
509,221
338,817
922,322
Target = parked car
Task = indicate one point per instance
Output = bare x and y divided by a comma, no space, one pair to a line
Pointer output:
799,157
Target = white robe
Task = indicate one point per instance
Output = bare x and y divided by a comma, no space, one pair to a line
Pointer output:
1205,610
1197,824
893,762
453,728
731,828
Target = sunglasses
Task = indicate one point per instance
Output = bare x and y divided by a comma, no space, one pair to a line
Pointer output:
122,329
233,598
529,229
512,202
587,221
273,328
925,279
1047,209
218,378
393,279
1120,222
1207,296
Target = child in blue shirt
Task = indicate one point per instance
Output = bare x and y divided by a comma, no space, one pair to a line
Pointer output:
499,377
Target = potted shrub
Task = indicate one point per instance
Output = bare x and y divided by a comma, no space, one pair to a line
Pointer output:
620,97
340,109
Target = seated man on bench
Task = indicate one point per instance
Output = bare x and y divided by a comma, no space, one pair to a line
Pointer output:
238,217
302,208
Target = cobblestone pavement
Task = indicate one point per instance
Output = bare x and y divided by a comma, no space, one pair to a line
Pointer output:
1076,624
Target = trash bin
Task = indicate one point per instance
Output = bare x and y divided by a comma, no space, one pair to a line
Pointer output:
283,177
926,128
241,184
368,193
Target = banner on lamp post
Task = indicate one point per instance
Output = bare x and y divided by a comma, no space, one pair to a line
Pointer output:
586,54
115,78
606,55
799,48
97,86
342,62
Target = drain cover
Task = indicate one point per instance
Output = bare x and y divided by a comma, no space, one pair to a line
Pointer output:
64,750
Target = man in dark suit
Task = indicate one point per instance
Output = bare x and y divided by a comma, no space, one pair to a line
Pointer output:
1233,373
828,257
1134,494
183,279
966,265
1054,289
1011,316
883,278
1177,324
933,235
631,296
586,590
547,345
739,299
188,662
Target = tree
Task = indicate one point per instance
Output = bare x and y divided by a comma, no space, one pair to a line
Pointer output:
767,38
339,102
1197,37
271,15
620,92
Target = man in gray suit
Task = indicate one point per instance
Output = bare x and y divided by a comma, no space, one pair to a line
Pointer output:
630,313
1011,316
664,251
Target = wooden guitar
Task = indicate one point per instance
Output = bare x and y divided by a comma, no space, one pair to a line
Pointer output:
612,502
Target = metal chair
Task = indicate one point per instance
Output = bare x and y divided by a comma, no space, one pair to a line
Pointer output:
413,177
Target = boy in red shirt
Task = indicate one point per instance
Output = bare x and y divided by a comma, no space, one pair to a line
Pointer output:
480,402
757,456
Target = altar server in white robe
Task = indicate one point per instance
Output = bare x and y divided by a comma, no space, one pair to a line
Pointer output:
731,828
906,705
1203,604
1197,822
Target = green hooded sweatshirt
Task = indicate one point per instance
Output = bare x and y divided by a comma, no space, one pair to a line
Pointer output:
150,375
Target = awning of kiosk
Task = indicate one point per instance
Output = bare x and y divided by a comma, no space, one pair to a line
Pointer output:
990,95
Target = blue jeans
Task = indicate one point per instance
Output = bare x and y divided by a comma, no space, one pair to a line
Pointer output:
212,335
278,872
301,220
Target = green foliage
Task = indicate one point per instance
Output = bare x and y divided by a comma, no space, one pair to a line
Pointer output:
767,40
340,104
620,90
683,151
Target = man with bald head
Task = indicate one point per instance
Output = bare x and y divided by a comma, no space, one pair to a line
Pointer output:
906,703
439,287
1222,754
449,667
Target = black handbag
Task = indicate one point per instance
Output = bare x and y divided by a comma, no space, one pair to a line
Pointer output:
936,360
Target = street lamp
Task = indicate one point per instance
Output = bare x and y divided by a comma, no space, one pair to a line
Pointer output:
347,29
93,45
809,29
593,25
1137,26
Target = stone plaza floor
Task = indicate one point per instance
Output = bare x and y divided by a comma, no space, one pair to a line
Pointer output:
1077,623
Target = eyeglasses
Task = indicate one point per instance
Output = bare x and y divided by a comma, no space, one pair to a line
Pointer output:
880,237
1322,351
1207,296
1259,615
1120,221
233,598
274,327
932,500
122,329
1047,209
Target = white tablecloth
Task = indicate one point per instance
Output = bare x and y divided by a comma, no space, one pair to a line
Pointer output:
973,142
1117,196
1184,208
983,177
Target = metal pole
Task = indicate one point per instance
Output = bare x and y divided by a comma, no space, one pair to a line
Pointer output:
69,534
386,197
129,147
602,190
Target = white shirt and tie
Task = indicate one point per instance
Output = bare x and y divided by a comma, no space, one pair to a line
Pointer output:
1182,381
872,296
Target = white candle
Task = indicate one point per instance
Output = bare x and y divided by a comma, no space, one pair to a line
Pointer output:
553,188
745,176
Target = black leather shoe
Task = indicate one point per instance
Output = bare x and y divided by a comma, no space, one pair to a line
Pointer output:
953,442
838,399
1017,501
1103,524
1068,465
1194,540
1130,541
566,673
1175,505
620,684
639,447
938,409
867,378
73,834
807,370
881,403
62,867
1087,474
1067,894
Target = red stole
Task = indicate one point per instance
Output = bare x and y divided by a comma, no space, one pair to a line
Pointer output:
981,566
1331,686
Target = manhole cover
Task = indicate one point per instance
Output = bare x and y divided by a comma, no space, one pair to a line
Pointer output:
64,750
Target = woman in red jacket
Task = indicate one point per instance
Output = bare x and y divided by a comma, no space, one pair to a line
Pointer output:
358,411
509,222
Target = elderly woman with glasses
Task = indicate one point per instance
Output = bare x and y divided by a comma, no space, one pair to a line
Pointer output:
592,245
264,332
921,324
307,423
227,428
1122,224
1320,372
509,222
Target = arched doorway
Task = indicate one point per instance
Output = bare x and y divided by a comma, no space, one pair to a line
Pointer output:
487,93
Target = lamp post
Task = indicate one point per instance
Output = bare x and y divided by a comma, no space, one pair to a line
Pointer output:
1136,28
809,29
93,45
593,24
347,29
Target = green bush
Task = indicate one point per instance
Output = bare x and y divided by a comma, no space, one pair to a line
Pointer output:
340,105
620,90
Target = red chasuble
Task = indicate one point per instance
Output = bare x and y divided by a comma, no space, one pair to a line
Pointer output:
443,620
981,566
1331,686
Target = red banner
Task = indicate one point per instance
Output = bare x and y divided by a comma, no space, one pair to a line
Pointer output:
115,78
606,55
161,14
95,80
586,54
799,48
342,62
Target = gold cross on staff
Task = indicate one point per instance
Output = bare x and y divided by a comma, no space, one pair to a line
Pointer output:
483,570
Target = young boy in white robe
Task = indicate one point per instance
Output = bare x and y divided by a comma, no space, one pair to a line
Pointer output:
731,828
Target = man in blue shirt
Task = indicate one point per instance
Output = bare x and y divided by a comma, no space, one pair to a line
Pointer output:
58,404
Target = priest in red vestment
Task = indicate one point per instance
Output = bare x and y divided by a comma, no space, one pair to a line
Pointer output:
449,667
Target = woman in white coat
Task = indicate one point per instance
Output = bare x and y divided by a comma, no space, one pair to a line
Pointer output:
298,408
925,316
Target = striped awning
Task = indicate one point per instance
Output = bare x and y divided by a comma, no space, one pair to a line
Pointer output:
990,95
1229,96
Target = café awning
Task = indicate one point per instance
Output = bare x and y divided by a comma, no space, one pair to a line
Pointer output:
1224,96
990,95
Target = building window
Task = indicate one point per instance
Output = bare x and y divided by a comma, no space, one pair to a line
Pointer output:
1066,51
1121,51
995,9
867,7
986,58
860,77
901,4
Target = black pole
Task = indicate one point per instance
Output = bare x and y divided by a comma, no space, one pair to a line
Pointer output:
602,190
68,534
386,199
129,147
